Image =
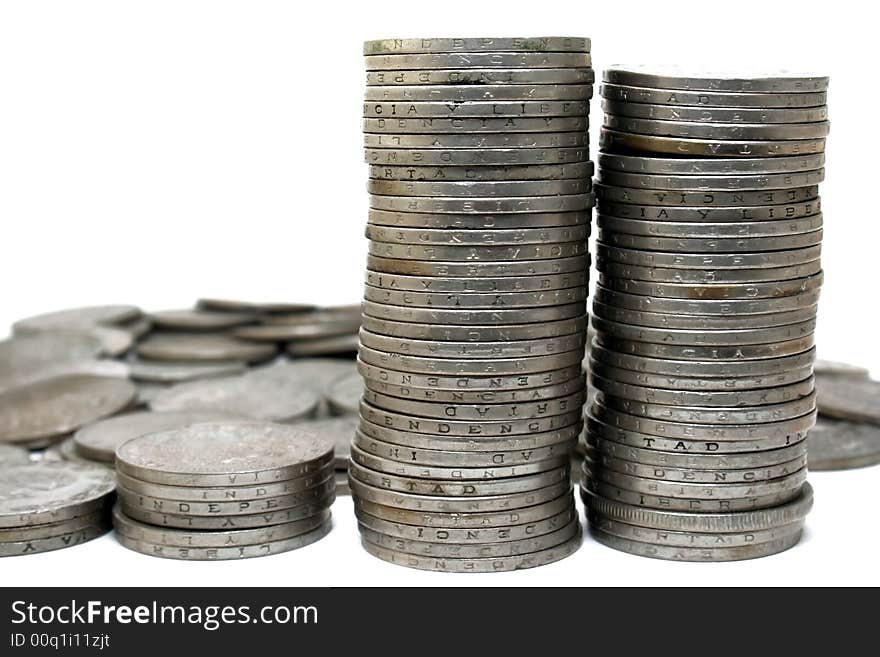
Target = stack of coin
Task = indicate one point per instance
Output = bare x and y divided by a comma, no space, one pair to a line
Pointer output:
705,308
223,490
474,321
49,506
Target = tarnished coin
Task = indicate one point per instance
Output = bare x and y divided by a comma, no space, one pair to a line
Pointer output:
224,454
40,372
645,303
338,430
707,322
493,140
467,300
477,237
50,492
477,45
677,337
342,487
697,276
475,334
439,173
307,331
54,529
21,356
711,183
54,407
715,291
849,398
252,307
483,125
157,371
489,367
717,131
841,445
712,213
475,156
77,318
12,455
737,115
712,99
202,348
475,109
827,368
226,553
99,440
697,246
474,349
709,352
67,451
198,320
482,205
674,77
681,166
689,230
462,60
684,198
55,542
478,76
257,398
477,189
478,270
483,316
317,374
344,394
675,260
333,346
476,285
613,140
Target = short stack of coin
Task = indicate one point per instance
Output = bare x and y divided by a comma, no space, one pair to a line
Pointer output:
708,256
475,318
223,490
50,506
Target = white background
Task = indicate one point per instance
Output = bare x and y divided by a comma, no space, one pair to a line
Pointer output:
154,152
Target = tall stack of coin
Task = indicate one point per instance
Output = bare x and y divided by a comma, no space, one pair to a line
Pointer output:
708,256
223,490
474,321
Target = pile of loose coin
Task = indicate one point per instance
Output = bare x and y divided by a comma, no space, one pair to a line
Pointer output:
708,252
475,317
223,490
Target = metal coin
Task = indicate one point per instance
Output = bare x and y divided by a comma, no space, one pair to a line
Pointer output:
224,454
698,167
496,205
456,125
475,300
477,285
477,44
474,254
297,332
467,188
736,353
50,492
496,140
686,198
475,156
334,346
476,109
736,115
698,246
478,270
68,452
712,99
707,322
252,307
477,237
16,378
342,487
791,512
840,445
706,276
244,396
710,214
477,443
675,260
475,334
849,398
614,140
695,182
198,320
469,350
55,529
202,348
55,407
476,316
673,77
714,291
21,356
673,337
338,430
171,372
477,76
477,60
643,303
832,368
719,131
344,394
317,374
54,543
226,553
482,173
77,318
726,230
99,440
13,455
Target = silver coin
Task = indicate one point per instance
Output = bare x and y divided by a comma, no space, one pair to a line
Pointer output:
54,543
476,285
342,487
709,183
833,368
16,378
114,341
736,115
68,452
477,60
475,300
202,348
477,44
138,327
477,316
673,77
706,276
13,455
172,538
461,411
642,303
782,515
737,353
662,462
726,230
224,454
712,99
697,246
498,205
50,492
316,374
717,131
841,445
55,529
198,320
478,189
475,156
147,392
298,332
228,494
252,307
21,356
849,398
99,440
707,322
613,140
710,214
480,269
226,508
327,315
228,523
478,76
344,394
496,140
675,260
733,167
521,172
475,334
450,458
478,443
476,109
338,430
536,223
676,337
77,318
156,371
482,125
244,396
684,198
488,428
54,407
696,431
469,350
333,346
396,468
225,553
713,291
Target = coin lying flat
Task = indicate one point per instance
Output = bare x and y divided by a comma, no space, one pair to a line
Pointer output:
339,431
849,398
198,320
77,318
99,441
841,445
202,348
828,368
156,371
339,345
317,374
22,355
41,372
12,455
258,398
252,307
55,407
